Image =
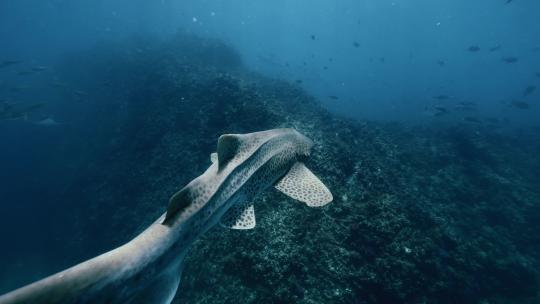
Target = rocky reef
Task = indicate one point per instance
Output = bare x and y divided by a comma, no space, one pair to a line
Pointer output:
421,214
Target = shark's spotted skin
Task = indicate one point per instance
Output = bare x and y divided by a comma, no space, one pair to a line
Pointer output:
148,268
240,216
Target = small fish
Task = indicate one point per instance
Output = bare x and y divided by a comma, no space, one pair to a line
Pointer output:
39,68
4,107
495,48
435,110
313,37
19,88
58,84
441,97
47,122
7,63
537,74
23,73
472,119
13,116
510,59
33,107
299,81
529,90
520,105
441,62
465,106
356,44
473,49
325,67
508,1
80,93
493,120
11,62
334,97
11,111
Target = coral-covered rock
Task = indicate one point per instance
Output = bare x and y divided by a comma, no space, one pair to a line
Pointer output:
421,215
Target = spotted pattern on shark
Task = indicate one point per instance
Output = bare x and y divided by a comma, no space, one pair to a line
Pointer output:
304,186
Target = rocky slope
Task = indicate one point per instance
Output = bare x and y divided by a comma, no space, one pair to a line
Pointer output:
433,214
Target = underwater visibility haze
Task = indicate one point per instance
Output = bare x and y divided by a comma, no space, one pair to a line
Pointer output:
161,149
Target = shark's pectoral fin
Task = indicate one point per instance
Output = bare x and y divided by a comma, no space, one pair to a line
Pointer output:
213,157
240,216
301,184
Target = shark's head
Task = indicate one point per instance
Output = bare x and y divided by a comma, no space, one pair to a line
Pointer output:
234,149
299,145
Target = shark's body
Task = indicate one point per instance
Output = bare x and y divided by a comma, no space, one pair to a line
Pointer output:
148,268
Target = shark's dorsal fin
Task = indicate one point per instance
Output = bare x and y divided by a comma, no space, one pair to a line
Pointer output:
228,145
301,184
239,216
178,202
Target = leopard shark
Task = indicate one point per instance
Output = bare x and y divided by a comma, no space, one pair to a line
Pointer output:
148,268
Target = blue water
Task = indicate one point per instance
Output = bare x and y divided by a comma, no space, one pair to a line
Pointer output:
471,66
398,45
